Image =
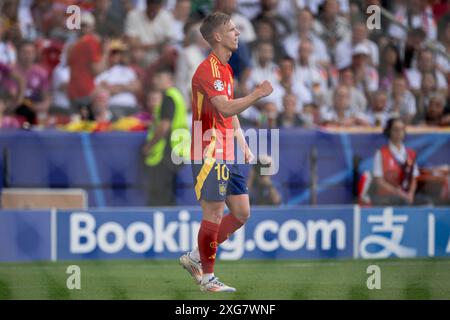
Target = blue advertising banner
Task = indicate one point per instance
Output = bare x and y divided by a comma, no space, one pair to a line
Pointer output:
271,233
403,232
25,235
110,166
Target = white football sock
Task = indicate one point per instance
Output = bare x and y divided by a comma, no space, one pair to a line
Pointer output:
206,277
195,254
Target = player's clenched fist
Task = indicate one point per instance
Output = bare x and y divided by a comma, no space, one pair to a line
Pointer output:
264,88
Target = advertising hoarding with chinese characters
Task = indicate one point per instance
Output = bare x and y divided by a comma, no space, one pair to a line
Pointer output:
271,233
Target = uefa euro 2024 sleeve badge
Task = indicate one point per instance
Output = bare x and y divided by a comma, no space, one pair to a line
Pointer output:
218,85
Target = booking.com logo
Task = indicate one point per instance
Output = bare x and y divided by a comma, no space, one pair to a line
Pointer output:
258,143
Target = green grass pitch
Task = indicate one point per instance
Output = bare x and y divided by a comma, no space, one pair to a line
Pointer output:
274,279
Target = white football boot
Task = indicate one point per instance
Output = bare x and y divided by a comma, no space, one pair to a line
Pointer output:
214,285
192,266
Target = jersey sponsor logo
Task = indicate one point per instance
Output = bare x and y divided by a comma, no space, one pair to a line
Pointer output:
218,85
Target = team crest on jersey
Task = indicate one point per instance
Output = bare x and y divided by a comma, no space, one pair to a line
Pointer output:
218,85
222,188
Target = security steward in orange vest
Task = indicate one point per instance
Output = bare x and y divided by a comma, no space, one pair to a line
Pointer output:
395,169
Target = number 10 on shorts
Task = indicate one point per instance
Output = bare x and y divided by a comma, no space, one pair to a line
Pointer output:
222,172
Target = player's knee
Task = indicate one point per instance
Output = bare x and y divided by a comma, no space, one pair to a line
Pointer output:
214,215
243,216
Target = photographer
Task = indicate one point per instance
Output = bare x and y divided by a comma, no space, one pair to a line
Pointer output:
261,187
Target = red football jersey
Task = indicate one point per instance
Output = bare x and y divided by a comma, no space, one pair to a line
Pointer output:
212,133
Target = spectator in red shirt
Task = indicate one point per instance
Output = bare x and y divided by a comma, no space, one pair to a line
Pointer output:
85,61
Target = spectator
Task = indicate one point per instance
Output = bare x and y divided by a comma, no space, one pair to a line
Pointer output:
289,118
427,89
151,29
101,113
399,9
366,76
332,27
60,81
378,113
421,16
266,31
309,73
86,59
12,86
341,113
412,46
434,114
189,58
37,97
243,24
290,85
262,190
265,68
426,62
305,24
390,66
357,98
343,55
395,169
269,11
169,116
107,24
402,102
121,81
8,52
180,16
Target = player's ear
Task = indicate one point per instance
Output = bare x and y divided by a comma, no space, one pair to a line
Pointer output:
217,36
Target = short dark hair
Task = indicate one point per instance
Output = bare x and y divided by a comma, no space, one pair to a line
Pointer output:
211,22
389,125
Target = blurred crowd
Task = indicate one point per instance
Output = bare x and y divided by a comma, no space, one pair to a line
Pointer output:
95,72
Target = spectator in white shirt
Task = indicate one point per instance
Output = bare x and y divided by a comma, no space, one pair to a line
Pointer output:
305,23
243,24
121,81
378,113
366,76
151,29
180,15
290,85
343,55
402,102
309,73
188,60
265,68
341,113
357,98
60,80
332,27
426,62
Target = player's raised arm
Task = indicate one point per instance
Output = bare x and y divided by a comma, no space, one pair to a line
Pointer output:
229,108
